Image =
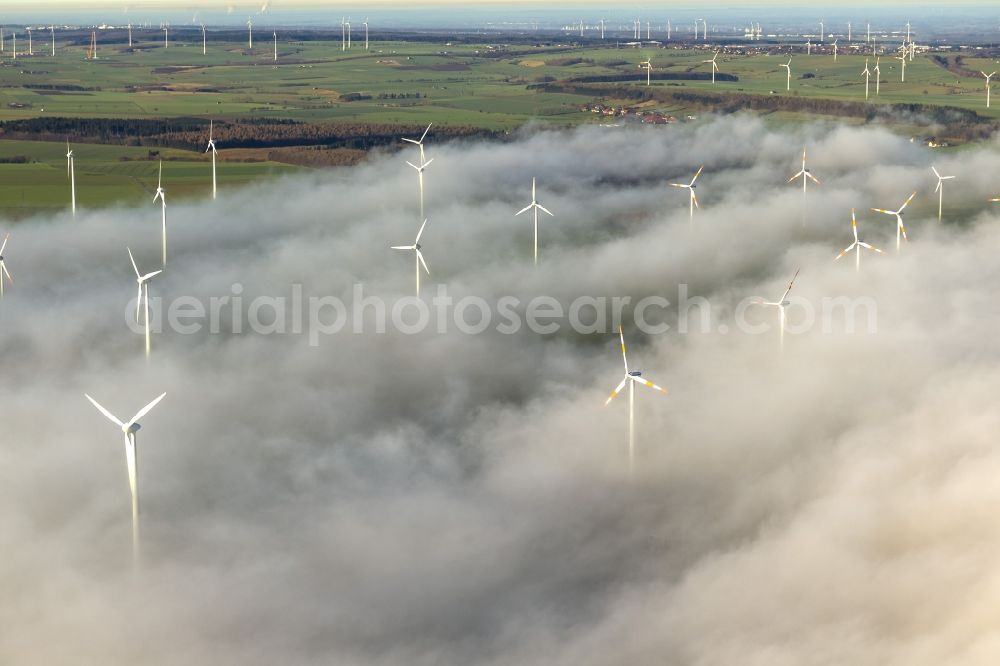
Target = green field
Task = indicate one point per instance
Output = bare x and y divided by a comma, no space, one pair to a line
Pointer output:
398,83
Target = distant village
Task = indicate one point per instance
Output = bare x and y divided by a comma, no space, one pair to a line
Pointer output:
635,114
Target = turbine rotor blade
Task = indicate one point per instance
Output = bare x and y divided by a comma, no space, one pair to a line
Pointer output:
145,410
618,389
544,209
420,233
644,382
137,273
420,256
109,415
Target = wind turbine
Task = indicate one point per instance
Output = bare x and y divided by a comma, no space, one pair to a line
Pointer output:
348,34
130,429
420,143
130,35
902,59
809,47
343,35
988,77
900,229
940,190
72,178
788,67
204,41
52,29
250,33
161,195
867,74
366,34
857,245
30,51
848,31
419,256
822,36
602,28
420,175
534,205
648,66
166,37
631,378
781,304
275,46
3,266
804,174
715,65
211,147
690,188
835,50
878,77
142,297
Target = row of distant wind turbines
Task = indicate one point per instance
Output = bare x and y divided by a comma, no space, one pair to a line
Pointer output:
345,39
806,175
905,49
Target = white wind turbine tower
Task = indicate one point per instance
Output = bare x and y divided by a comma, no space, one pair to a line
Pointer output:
211,147
250,33
988,77
900,229
781,304
878,77
130,35
71,172
648,66
715,65
690,188
788,68
52,29
535,206
366,33
275,46
669,29
3,266
419,258
348,33
602,28
161,195
835,50
940,190
166,37
867,73
631,378
804,174
343,34
142,299
13,54
822,35
848,32
809,47
857,245
204,41
30,51
902,59
130,429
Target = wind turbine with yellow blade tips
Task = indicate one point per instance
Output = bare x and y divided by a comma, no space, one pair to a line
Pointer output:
857,245
631,378
900,229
